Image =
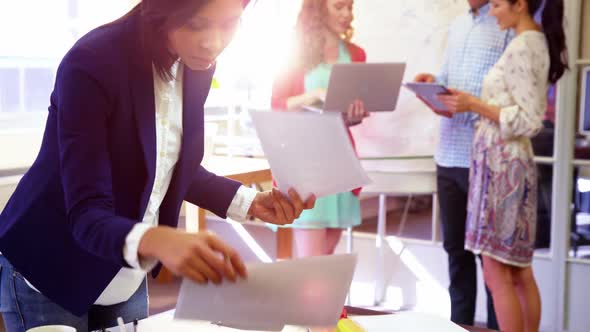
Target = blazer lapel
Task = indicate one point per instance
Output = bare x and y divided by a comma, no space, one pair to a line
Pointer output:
141,85
196,85
142,92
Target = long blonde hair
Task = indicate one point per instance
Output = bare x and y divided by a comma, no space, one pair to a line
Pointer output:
310,39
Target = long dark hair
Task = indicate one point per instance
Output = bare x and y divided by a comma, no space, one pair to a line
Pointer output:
158,17
552,23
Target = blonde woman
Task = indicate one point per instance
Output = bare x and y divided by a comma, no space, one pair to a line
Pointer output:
323,38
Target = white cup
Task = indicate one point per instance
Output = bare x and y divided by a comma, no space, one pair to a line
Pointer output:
52,328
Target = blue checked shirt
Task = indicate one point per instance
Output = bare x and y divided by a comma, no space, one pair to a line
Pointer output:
475,44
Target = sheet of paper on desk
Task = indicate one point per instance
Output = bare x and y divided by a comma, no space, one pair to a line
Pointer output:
164,322
302,292
407,322
309,152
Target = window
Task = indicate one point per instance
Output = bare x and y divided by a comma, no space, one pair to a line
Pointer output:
41,32
36,35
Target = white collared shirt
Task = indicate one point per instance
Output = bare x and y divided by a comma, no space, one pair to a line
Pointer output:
168,102
168,98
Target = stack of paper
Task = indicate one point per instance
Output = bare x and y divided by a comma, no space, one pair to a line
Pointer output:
166,322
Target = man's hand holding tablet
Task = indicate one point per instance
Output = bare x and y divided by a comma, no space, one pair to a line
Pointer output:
427,91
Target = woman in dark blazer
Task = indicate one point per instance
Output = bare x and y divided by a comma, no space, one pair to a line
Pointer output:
122,149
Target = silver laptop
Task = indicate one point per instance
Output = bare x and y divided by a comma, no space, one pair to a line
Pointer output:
376,84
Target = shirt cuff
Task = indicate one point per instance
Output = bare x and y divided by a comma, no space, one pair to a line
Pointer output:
507,116
131,247
238,209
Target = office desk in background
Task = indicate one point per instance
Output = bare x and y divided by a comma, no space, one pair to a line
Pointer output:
398,176
249,171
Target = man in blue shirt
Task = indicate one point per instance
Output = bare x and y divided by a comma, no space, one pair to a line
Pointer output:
475,44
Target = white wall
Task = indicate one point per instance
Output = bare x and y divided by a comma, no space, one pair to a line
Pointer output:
20,148
20,138
7,187
578,297
414,32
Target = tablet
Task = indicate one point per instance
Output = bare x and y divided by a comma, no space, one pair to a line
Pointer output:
376,84
430,92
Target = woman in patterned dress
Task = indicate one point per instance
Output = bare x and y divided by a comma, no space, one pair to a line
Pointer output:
323,38
501,216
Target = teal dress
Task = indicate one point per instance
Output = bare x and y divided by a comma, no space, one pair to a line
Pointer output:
341,210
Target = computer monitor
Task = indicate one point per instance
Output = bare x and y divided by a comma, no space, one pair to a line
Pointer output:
585,102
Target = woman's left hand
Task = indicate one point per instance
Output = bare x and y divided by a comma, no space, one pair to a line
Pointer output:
274,207
356,113
457,101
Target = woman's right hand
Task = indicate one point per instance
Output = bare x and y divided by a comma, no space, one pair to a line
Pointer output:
424,78
311,98
319,95
201,257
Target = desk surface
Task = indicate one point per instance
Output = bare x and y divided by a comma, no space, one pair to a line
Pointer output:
235,166
248,171
414,164
158,319
400,166
228,166
366,312
242,169
400,176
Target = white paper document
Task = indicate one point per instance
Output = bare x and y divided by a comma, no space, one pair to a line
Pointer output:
164,322
309,152
407,322
303,292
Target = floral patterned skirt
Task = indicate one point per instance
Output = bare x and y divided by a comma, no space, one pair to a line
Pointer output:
502,207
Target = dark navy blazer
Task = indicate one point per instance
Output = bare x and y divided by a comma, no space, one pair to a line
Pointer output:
65,225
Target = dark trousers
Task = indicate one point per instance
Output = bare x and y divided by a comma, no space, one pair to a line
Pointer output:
453,190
